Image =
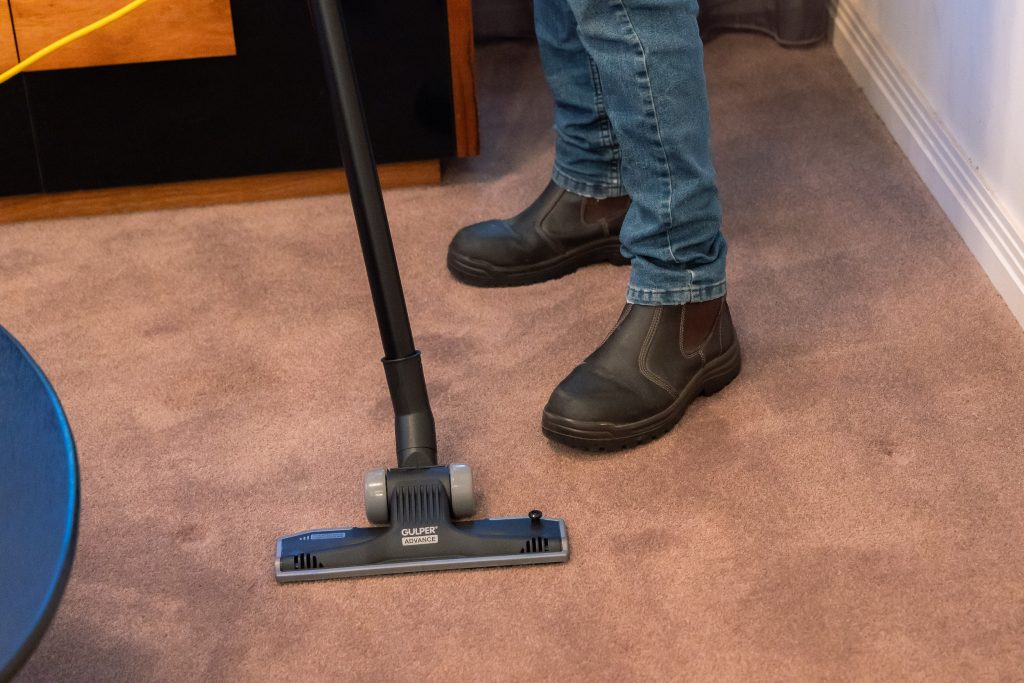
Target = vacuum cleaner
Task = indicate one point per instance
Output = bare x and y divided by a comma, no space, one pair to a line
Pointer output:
419,507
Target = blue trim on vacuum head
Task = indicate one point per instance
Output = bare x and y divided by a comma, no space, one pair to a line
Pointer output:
425,565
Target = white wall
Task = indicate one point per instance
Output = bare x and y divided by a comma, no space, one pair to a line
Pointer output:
967,57
962,61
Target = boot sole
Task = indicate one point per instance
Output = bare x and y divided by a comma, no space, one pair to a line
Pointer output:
607,436
482,274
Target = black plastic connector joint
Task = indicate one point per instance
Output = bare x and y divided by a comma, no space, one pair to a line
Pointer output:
415,439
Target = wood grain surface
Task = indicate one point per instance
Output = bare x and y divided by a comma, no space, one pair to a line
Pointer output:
460,41
204,192
157,31
8,51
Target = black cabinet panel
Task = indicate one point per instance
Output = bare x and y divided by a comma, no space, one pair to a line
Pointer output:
19,173
262,111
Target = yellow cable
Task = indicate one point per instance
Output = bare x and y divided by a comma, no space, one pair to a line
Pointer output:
71,37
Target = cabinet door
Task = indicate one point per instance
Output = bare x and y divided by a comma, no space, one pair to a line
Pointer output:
160,30
262,111
19,171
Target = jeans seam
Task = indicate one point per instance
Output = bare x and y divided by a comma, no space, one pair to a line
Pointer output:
675,296
669,290
603,122
567,182
657,125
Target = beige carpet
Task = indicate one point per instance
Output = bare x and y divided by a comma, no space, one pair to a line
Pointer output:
850,508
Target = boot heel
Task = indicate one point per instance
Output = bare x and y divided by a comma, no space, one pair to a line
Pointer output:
723,373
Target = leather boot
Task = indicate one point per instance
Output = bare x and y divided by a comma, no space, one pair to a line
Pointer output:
558,233
638,383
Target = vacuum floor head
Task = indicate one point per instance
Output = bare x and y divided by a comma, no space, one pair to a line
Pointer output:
418,507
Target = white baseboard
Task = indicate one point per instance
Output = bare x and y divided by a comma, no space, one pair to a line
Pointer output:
971,206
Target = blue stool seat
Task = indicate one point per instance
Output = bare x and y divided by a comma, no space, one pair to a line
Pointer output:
38,504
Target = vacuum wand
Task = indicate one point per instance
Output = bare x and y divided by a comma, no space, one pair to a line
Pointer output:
420,510
415,438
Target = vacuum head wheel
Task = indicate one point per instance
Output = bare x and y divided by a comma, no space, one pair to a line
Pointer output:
375,495
461,488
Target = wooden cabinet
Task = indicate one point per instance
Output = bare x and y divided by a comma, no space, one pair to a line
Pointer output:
157,31
262,109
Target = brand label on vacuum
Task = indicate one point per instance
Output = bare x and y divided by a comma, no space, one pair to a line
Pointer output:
419,536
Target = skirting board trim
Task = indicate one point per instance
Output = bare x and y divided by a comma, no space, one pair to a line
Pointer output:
976,213
205,192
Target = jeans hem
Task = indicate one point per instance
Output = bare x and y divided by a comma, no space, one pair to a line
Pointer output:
674,297
593,190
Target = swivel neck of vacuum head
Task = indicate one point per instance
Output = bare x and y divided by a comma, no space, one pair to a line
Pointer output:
415,439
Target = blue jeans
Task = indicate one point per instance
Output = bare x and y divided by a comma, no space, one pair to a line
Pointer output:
631,117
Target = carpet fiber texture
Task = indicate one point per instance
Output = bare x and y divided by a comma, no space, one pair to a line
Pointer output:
850,507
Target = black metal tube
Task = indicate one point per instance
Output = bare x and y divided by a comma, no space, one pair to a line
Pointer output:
363,182
414,422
